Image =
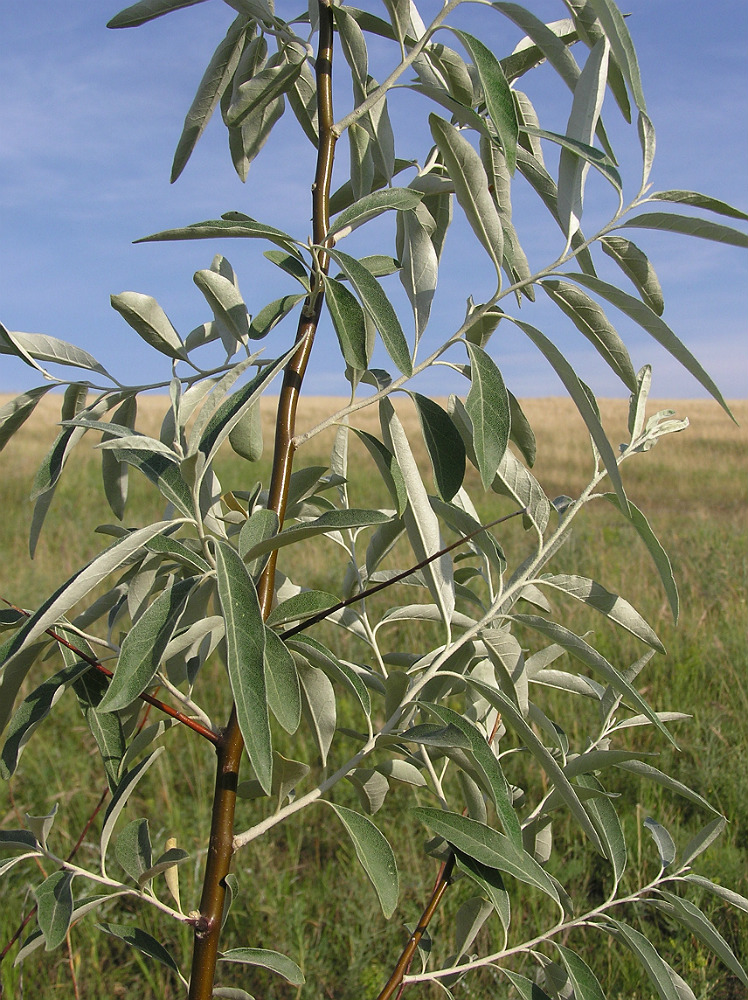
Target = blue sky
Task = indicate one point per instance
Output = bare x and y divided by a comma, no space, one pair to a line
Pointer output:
89,119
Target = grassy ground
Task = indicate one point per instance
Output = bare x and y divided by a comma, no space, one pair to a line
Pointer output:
694,489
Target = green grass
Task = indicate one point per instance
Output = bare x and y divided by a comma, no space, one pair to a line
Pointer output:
301,890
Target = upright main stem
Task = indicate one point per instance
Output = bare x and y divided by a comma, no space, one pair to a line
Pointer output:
231,745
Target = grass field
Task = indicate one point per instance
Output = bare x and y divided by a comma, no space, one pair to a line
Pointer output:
302,892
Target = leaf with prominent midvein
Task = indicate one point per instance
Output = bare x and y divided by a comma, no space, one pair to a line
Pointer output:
149,321
646,953
144,646
374,853
54,907
215,80
645,770
444,445
332,520
590,319
581,400
731,897
608,604
622,47
585,113
468,174
487,405
497,95
669,222
245,655
43,347
282,683
349,323
659,555
602,813
371,205
379,307
421,523
16,412
120,796
664,842
326,661
526,733
635,264
487,846
388,468
82,583
581,976
234,225
147,10
419,261
266,959
142,942
592,658
694,920
226,302
697,200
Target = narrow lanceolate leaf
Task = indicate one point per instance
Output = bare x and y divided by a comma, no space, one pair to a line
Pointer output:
15,413
592,658
270,315
585,114
133,849
581,976
147,10
689,226
702,840
142,942
234,225
696,200
590,319
647,954
694,920
348,319
663,840
225,299
497,95
487,846
608,604
282,683
635,264
148,319
731,897
658,554
379,308
215,80
645,770
471,187
80,584
582,402
330,521
372,205
421,522
54,907
419,264
622,47
245,648
119,800
144,646
374,853
444,445
265,959
487,405
602,813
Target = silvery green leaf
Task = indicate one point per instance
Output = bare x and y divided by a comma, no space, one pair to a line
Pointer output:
374,204
348,320
520,431
399,12
378,306
444,445
421,523
587,411
603,815
265,86
282,683
41,826
327,523
602,600
590,319
14,414
614,26
245,656
702,840
362,161
696,200
468,921
120,796
663,840
246,140
374,853
647,141
526,55
302,96
527,989
144,646
652,774
388,468
226,302
54,907
729,895
215,80
271,314
514,480
318,706
291,265
262,957
419,264
646,953
636,265
41,346
585,113
581,976
12,840
148,319
595,157
147,10
353,44
133,849
693,919
487,405
508,660
497,95
371,788
688,225
164,863
32,711
162,472
142,942
487,846
658,554
113,470
245,436
401,770
471,187
235,225
553,48
106,729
